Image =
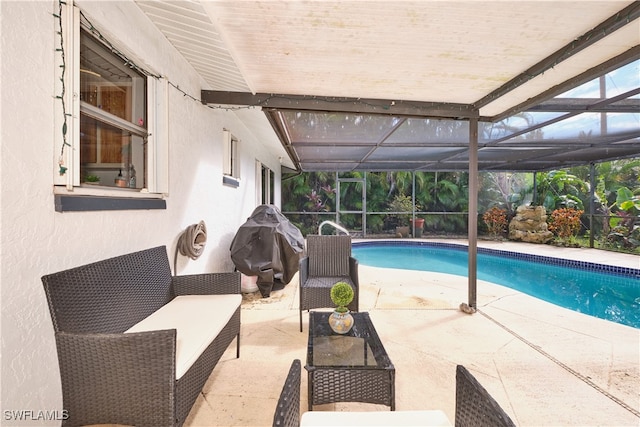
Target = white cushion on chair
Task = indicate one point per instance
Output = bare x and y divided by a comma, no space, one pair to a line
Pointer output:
198,319
375,418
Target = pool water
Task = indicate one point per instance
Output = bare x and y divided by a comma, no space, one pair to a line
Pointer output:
611,293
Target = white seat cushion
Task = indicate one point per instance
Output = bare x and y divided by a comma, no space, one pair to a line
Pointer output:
198,319
375,418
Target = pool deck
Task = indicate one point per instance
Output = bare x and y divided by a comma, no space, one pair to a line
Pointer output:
545,365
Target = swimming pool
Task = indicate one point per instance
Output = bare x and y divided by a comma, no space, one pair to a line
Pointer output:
603,291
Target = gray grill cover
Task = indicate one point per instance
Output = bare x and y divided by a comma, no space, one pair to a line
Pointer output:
267,246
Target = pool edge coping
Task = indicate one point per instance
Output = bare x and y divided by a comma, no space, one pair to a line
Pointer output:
544,259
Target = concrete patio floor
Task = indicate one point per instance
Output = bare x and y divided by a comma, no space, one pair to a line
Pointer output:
545,365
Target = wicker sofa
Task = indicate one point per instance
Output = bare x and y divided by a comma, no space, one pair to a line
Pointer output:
136,344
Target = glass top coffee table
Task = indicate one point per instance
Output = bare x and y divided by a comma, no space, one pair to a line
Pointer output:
353,367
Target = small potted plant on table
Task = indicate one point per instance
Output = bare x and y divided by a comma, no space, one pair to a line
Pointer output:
341,320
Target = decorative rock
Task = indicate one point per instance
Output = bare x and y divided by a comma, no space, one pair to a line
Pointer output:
530,225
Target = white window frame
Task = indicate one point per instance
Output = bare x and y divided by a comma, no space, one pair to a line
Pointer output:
69,158
264,184
230,159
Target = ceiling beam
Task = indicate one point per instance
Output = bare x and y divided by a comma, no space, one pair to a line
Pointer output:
613,23
423,109
585,104
284,140
593,107
340,104
612,64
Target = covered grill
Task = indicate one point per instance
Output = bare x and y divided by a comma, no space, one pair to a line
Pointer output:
267,246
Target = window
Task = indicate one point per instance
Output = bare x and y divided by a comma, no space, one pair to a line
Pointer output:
116,129
231,165
264,184
113,119
268,185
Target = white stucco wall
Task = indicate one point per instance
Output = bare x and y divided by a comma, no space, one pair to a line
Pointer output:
36,240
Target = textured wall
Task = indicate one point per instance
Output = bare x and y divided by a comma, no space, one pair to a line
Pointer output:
36,240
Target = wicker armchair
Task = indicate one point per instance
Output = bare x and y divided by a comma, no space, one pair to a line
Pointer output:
474,405
328,260
288,410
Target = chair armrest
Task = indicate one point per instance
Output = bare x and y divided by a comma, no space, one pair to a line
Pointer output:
353,271
288,408
303,270
353,275
207,284
102,374
474,404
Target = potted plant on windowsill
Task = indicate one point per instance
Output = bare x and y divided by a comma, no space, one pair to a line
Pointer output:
92,179
341,320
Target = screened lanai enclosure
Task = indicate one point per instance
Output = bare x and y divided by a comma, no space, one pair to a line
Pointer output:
434,204
424,86
548,155
563,139
597,120
420,85
434,86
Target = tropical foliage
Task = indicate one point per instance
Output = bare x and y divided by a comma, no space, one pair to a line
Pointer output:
560,189
565,222
401,207
309,199
625,230
611,218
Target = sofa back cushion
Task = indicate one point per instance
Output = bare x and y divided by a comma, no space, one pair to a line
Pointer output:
111,295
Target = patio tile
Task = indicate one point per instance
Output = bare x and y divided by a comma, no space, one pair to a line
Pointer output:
544,364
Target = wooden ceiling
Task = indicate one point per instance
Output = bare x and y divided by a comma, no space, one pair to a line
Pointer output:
436,60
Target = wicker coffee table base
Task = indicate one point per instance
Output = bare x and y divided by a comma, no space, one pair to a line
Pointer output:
353,367
351,385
